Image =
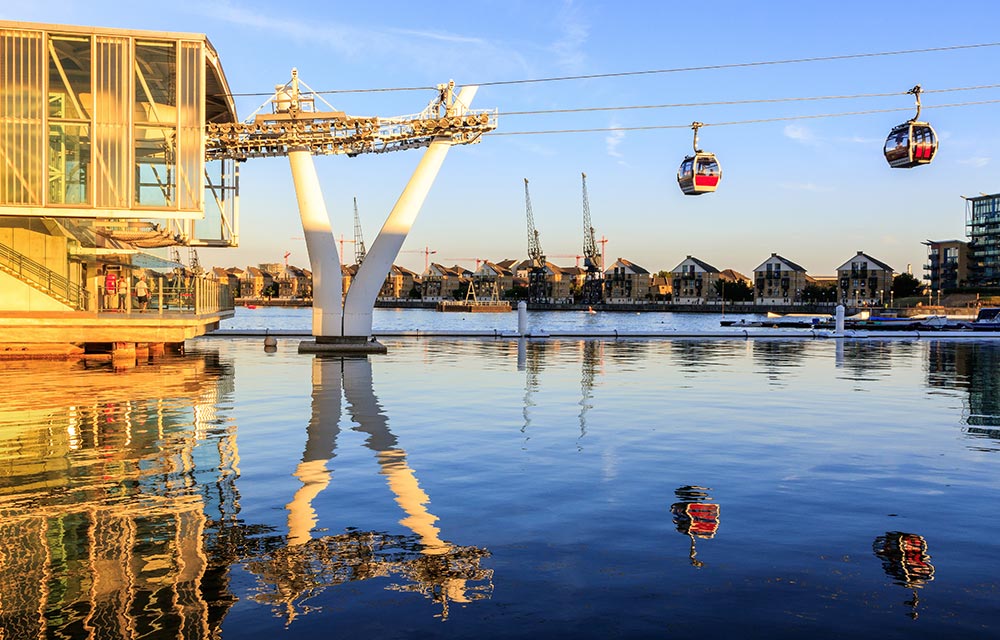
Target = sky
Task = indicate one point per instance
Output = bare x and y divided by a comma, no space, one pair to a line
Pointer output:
815,191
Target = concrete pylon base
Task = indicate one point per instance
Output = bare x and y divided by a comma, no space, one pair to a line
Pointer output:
342,345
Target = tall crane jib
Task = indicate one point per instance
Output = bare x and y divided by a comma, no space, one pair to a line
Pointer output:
538,286
593,284
359,240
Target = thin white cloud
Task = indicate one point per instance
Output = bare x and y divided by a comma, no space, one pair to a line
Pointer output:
800,133
804,186
569,47
863,140
976,162
423,48
440,37
613,140
535,148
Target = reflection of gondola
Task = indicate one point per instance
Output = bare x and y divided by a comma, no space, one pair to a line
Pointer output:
694,517
905,559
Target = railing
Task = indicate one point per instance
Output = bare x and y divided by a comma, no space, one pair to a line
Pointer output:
171,295
44,278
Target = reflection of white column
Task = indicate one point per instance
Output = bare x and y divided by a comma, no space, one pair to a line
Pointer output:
321,436
364,408
378,261
323,257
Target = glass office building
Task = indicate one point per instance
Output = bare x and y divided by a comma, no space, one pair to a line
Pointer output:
983,228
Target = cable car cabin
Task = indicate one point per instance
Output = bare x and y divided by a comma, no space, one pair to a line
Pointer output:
910,144
699,174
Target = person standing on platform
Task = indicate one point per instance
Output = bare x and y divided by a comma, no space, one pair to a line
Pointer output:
110,287
123,294
142,294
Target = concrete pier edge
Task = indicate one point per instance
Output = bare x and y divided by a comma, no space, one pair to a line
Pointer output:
342,345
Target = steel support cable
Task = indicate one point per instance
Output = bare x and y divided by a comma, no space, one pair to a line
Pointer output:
621,74
740,122
857,96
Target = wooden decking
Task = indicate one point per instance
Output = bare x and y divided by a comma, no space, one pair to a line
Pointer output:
30,334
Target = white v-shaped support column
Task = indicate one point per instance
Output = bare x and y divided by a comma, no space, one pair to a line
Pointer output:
324,260
378,261
352,322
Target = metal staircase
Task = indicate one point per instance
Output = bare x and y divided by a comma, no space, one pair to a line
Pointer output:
43,279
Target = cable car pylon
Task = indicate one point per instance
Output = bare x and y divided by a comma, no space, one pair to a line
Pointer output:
296,129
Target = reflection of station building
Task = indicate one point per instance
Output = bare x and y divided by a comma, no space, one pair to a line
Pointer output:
119,507
104,532
102,162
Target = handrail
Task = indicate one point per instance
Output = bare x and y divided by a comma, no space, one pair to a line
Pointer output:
47,279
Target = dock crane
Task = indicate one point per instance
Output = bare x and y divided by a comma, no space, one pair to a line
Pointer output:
538,290
593,284
359,240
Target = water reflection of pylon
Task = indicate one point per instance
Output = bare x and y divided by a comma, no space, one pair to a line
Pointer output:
905,559
695,518
435,568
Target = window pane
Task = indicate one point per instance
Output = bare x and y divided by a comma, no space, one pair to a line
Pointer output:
190,153
69,163
112,138
69,78
155,167
22,107
156,82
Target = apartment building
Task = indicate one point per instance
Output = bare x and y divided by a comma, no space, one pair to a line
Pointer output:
864,281
625,281
694,282
778,280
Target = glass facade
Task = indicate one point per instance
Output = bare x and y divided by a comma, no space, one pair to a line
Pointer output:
22,117
983,226
106,121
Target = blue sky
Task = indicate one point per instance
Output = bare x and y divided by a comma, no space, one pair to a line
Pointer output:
814,191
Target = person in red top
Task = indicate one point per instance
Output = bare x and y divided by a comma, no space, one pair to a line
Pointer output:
110,288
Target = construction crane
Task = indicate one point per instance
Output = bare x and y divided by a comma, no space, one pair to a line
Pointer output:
537,286
359,240
427,255
593,284
478,261
575,256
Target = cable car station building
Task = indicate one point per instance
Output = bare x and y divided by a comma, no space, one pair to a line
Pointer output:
102,158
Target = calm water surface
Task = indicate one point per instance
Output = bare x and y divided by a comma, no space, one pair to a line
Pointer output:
430,320
480,488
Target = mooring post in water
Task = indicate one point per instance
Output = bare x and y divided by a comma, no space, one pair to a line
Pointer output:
839,325
522,318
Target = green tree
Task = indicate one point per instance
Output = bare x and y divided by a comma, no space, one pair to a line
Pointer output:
905,285
734,290
820,293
